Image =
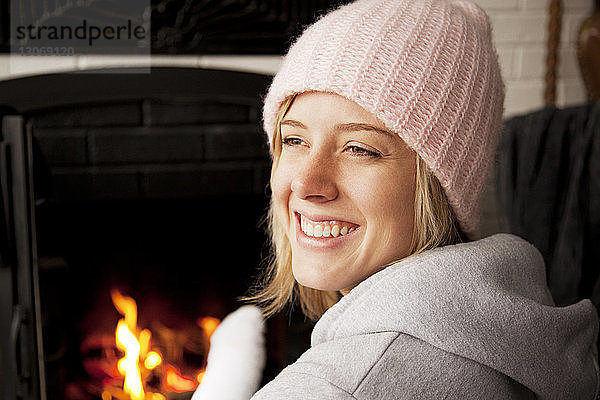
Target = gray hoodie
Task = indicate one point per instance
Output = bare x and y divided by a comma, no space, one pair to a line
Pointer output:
471,321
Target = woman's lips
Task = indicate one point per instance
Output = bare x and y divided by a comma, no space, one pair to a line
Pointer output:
322,232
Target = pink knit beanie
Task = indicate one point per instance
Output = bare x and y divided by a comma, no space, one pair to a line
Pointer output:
426,68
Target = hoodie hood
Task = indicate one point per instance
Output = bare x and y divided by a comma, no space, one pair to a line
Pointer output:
486,301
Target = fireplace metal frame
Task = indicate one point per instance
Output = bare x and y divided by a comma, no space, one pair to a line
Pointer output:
22,373
23,368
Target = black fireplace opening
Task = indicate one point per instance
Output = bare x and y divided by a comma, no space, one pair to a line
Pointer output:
154,186
180,260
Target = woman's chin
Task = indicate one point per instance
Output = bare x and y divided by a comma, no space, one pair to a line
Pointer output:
312,279
317,278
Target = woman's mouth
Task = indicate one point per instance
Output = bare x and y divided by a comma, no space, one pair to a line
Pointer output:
325,228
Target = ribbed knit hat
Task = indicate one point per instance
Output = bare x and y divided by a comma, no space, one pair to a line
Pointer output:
426,68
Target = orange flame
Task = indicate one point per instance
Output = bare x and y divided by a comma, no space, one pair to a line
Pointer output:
153,360
177,382
127,341
200,376
209,324
127,307
140,359
144,338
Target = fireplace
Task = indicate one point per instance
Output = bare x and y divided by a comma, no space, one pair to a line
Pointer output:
148,185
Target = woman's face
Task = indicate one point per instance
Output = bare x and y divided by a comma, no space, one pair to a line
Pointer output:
344,189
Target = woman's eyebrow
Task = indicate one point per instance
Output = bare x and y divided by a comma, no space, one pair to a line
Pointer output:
293,123
357,126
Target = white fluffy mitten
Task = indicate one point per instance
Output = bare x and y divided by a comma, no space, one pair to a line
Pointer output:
236,358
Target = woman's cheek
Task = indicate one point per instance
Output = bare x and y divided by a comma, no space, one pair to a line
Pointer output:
364,184
278,179
280,189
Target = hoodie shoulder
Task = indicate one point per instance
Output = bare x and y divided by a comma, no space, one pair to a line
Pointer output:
422,371
388,366
485,301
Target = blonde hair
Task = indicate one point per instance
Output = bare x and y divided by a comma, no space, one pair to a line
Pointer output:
434,225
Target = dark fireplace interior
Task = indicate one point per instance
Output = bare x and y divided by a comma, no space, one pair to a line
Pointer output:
167,255
154,185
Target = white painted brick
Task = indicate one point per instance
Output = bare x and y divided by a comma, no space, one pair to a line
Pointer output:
566,4
498,4
534,4
568,64
519,28
570,92
506,60
586,5
570,27
530,62
523,96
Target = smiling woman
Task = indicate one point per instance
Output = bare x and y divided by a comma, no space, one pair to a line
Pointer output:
383,123
404,193
344,191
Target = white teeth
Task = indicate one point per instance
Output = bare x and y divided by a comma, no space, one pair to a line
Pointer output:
318,231
335,231
309,230
323,229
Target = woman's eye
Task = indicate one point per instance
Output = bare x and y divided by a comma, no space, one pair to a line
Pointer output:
361,151
292,141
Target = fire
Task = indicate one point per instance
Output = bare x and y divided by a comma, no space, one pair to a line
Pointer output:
153,360
178,382
141,364
209,324
127,341
200,376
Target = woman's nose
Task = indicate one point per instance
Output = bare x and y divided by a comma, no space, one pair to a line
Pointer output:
315,180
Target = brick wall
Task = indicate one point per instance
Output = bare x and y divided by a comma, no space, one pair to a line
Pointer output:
519,31
175,134
520,28
144,150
